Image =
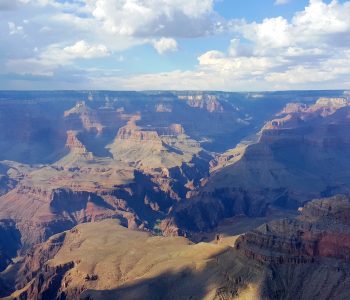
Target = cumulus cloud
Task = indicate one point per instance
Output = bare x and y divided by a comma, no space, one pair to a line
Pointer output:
319,23
154,17
164,45
307,47
307,51
236,67
82,49
55,56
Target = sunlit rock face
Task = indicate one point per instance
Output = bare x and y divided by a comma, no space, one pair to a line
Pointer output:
301,256
299,155
167,163
321,230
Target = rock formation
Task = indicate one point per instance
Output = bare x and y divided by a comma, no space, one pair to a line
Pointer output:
208,102
164,108
305,258
82,113
153,148
75,146
321,231
137,188
173,163
298,156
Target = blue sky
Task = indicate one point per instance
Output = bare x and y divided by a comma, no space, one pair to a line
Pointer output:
255,10
233,45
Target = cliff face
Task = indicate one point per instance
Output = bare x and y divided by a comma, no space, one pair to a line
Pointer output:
35,278
159,147
10,242
138,135
145,159
207,102
164,108
313,247
6,183
82,115
46,212
321,231
299,156
279,260
75,145
155,167
150,172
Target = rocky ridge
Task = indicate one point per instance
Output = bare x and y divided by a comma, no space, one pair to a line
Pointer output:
208,102
146,163
279,260
298,156
82,187
321,231
82,113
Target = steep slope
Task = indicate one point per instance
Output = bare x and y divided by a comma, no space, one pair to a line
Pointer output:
10,242
207,102
308,256
143,157
83,115
11,173
96,257
302,155
34,123
136,186
57,197
321,231
303,258
165,147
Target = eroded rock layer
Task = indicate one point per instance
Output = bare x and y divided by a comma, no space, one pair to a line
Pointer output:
172,163
306,257
303,154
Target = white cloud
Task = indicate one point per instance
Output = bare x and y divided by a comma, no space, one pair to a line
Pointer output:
215,71
82,49
308,50
271,33
299,75
15,29
236,67
154,17
305,50
164,45
55,56
318,24
45,29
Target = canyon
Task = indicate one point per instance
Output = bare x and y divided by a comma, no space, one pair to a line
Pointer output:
286,259
300,155
122,195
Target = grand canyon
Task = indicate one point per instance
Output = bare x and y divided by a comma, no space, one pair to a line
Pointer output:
174,150
174,195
